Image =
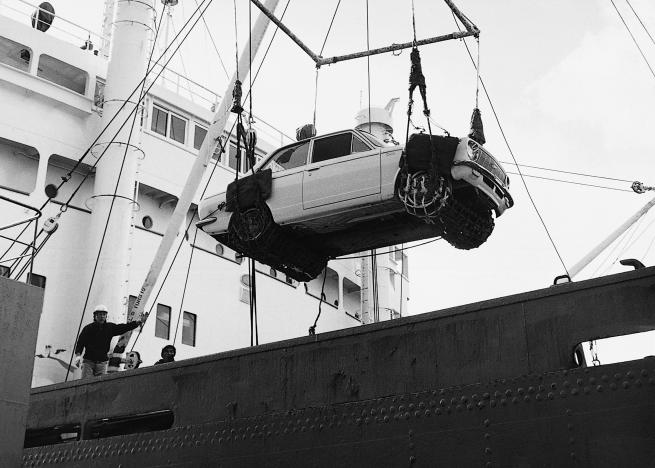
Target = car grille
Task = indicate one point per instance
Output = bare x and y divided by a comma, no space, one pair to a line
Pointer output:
487,161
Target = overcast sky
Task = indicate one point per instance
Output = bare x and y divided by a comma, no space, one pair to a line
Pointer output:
570,88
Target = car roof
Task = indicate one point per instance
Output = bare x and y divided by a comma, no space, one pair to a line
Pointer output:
266,158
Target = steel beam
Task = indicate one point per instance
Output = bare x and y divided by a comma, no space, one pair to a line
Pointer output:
471,30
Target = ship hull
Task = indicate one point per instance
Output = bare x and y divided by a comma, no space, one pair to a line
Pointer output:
488,384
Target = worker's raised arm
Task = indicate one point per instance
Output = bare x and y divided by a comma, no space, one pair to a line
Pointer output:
120,328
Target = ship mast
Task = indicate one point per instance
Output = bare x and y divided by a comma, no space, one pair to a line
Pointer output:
112,202
596,251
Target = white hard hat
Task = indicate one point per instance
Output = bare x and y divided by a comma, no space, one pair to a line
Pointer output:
100,308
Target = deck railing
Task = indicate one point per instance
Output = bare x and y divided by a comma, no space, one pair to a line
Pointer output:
62,28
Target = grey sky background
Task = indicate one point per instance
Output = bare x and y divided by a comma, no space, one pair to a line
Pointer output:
569,86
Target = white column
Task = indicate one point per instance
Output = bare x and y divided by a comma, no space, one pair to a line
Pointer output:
127,67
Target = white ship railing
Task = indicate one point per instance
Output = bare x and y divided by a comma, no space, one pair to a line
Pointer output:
69,31
62,28
205,97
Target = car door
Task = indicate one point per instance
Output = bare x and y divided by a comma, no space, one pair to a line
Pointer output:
344,171
287,164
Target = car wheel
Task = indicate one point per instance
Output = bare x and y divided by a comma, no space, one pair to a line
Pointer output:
252,223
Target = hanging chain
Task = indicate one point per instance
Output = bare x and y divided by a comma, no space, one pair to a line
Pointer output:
593,350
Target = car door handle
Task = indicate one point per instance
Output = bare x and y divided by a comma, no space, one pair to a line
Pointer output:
313,169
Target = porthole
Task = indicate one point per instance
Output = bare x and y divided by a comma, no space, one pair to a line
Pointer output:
273,272
147,222
245,281
238,258
219,249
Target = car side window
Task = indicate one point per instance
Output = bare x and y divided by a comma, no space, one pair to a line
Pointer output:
332,147
358,145
289,158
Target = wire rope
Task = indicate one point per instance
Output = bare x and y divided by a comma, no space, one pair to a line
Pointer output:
143,93
652,72
502,132
609,254
312,329
404,249
571,182
68,175
211,38
569,172
327,34
648,226
640,21
113,199
179,247
186,283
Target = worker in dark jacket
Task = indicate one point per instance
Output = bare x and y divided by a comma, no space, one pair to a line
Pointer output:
95,340
167,354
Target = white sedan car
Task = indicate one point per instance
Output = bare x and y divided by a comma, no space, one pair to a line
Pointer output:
347,192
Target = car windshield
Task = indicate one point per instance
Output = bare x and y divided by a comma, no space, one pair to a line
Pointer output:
288,158
372,139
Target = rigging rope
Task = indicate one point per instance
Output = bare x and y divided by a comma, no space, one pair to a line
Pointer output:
351,257
640,21
222,150
368,67
134,115
179,247
69,174
652,72
502,132
211,38
186,282
320,54
312,329
571,182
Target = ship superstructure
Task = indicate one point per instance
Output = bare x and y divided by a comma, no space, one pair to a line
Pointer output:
54,91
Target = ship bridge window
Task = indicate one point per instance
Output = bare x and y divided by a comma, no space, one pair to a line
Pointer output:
62,73
163,323
189,329
168,124
199,136
19,165
14,54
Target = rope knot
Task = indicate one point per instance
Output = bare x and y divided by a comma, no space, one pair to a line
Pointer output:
236,96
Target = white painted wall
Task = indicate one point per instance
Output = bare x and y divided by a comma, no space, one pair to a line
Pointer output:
55,122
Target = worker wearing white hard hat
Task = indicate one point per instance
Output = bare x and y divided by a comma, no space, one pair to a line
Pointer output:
95,340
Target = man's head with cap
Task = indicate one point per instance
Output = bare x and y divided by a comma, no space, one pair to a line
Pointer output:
100,313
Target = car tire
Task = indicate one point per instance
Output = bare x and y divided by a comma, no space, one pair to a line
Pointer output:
256,235
467,221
